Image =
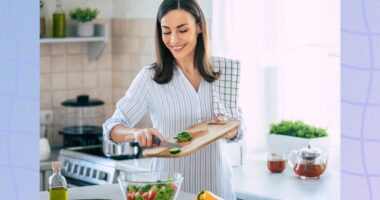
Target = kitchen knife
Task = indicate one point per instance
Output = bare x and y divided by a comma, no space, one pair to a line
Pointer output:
157,141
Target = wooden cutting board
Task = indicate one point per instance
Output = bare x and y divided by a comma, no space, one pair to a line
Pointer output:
203,134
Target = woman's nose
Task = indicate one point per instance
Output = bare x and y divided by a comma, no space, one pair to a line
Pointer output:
174,38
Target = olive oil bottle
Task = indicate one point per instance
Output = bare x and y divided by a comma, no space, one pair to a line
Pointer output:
57,183
59,21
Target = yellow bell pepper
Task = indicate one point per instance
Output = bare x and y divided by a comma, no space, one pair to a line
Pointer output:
207,195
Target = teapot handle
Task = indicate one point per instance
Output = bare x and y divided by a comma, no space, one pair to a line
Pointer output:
292,158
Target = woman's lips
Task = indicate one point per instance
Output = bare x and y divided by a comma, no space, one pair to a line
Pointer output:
178,48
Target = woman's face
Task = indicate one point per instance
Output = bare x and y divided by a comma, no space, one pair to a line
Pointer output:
179,33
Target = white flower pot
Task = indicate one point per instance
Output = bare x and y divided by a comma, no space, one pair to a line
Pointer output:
285,144
85,29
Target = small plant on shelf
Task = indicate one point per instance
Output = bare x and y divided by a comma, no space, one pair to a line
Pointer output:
84,18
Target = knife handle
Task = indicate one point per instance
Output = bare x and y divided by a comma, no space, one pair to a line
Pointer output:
156,141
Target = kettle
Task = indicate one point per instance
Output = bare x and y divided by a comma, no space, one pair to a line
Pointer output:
308,162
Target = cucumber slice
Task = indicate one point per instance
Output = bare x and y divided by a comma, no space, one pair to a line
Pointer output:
174,150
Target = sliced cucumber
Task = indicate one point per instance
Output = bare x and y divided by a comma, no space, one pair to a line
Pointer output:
174,150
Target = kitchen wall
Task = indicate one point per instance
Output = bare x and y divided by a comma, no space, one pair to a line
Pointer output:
67,72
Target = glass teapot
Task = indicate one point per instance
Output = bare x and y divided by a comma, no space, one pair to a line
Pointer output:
308,162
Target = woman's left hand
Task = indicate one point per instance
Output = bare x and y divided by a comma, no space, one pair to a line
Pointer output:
228,135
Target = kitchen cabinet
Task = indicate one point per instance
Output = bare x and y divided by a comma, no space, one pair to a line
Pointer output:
96,44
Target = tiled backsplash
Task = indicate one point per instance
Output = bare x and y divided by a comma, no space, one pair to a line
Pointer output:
67,72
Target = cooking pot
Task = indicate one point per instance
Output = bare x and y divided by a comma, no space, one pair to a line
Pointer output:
128,149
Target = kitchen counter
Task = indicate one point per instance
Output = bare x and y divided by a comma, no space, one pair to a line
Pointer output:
107,191
254,181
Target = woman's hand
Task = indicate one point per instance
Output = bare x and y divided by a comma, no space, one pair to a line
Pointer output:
144,136
221,119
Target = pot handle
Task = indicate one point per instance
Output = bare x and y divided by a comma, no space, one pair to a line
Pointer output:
139,149
292,158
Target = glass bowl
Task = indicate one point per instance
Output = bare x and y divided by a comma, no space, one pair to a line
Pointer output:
150,185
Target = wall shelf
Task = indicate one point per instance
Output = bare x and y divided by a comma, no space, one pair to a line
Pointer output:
96,44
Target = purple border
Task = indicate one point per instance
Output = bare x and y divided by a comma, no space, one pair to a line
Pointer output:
19,99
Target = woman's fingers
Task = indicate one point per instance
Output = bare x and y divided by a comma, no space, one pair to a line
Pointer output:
145,136
148,136
157,134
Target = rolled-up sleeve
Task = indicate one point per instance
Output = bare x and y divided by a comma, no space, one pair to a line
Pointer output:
241,130
132,107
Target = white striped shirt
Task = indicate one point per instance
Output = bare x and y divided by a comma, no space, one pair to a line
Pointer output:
174,107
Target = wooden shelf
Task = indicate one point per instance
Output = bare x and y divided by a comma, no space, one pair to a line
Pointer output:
96,44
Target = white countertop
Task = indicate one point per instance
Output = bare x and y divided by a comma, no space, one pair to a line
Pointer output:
107,191
254,179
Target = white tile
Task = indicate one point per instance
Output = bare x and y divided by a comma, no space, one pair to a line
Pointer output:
147,45
46,99
90,79
58,49
106,95
58,63
45,62
58,97
59,81
105,61
45,82
74,63
105,79
74,80
89,65
45,49
74,48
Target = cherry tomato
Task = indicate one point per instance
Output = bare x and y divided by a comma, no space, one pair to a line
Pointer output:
130,196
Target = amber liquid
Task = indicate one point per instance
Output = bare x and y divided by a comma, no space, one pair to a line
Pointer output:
276,166
58,194
309,170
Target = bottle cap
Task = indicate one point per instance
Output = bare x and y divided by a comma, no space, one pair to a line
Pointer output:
56,165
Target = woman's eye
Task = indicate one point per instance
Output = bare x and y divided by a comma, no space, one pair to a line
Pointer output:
166,33
183,31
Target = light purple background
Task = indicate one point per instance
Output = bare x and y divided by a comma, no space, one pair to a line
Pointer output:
19,99
360,93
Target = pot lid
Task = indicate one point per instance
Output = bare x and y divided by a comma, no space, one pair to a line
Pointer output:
82,101
309,152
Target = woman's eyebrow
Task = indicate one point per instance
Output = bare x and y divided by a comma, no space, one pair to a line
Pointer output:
179,26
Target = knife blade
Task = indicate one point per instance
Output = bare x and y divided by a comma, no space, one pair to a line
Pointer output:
157,141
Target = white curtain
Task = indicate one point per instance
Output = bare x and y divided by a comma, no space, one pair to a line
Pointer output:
289,53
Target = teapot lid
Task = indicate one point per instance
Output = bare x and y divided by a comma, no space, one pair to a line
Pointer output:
309,153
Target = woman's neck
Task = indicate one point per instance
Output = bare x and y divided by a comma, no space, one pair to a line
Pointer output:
187,66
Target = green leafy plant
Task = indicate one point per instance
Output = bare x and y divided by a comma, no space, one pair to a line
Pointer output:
84,14
297,129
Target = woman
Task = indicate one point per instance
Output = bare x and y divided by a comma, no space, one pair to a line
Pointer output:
179,90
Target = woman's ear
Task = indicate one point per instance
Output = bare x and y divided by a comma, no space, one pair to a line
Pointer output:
199,28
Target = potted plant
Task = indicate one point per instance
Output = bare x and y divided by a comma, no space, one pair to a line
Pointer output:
287,135
84,17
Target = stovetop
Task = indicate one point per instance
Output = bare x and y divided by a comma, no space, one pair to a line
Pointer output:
97,150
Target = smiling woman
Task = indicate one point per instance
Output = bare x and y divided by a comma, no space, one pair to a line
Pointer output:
183,87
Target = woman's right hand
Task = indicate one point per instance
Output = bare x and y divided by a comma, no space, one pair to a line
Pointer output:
144,136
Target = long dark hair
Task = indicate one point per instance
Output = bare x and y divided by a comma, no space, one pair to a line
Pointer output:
165,65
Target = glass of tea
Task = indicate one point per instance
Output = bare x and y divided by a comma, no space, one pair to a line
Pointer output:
276,162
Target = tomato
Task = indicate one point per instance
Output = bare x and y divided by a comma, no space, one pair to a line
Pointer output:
130,196
152,194
173,186
146,196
